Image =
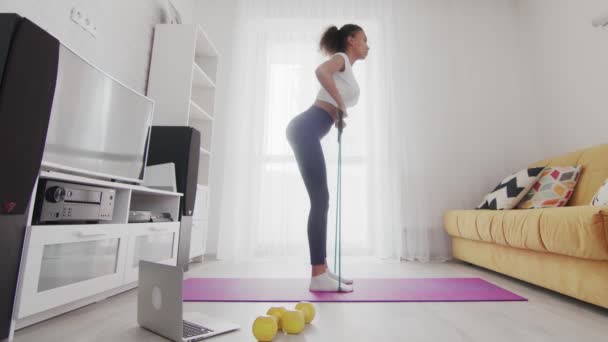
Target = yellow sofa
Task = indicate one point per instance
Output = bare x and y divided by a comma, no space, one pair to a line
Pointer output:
563,249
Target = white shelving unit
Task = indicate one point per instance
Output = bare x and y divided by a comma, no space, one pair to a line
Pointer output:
182,82
66,266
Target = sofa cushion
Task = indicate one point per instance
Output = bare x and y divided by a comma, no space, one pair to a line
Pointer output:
580,231
553,188
511,190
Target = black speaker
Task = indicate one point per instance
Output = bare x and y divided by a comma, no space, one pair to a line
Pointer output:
179,145
28,70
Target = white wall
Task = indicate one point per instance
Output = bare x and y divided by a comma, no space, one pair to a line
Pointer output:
125,31
470,85
217,17
569,65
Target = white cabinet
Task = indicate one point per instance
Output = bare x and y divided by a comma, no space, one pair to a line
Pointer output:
67,263
70,265
201,205
196,237
182,80
200,222
155,242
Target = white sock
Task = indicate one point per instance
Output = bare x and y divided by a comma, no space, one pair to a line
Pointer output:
324,282
342,278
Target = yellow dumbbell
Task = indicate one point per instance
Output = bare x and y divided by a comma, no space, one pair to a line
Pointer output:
277,311
265,328
292,321
308,309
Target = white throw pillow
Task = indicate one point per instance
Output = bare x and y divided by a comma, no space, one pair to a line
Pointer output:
511,190
601,196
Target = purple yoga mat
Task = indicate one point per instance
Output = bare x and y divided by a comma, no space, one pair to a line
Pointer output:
366,290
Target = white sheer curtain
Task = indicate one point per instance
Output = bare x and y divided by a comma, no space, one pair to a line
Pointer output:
441,96
264,201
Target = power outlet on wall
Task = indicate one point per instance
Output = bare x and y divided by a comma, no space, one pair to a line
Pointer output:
83,20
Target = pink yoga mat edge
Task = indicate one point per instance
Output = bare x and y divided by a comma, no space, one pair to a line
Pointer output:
366,290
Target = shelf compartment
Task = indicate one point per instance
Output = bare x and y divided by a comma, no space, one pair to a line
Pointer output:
198,113
200,79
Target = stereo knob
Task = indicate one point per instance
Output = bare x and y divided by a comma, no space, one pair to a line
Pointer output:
55,194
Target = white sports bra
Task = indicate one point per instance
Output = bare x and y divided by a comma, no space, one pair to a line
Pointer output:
345,83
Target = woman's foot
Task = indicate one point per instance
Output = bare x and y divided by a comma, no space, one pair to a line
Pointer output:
342,278
325,283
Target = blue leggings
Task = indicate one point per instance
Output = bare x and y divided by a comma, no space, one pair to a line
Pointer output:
304,134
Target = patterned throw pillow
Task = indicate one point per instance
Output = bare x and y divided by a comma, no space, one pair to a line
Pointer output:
553,189
510,191
601,196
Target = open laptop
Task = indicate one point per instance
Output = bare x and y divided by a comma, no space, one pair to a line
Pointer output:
159,306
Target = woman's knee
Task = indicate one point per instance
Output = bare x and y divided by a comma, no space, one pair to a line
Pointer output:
321,200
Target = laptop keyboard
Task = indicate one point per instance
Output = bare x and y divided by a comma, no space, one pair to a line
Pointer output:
191,329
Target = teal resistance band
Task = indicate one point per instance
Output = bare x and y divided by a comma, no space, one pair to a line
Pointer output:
338,240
